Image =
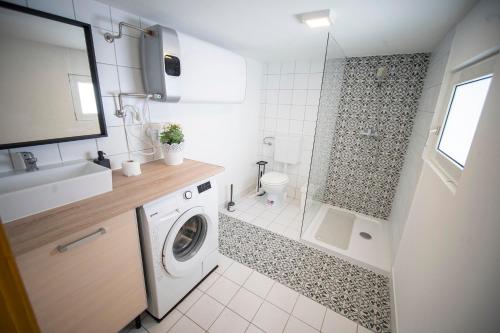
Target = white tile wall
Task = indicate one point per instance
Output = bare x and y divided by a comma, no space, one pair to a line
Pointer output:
114,143
130,79
58,7
413,161
77,150
46,154
118,66
109,106
289,107
128,51
104,51
92,12
118,16
108,79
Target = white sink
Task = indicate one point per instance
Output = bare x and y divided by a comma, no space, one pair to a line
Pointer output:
26,193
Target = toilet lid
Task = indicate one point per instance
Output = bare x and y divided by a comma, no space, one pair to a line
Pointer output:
274,178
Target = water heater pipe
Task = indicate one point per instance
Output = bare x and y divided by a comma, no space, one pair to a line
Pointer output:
110,38
119,111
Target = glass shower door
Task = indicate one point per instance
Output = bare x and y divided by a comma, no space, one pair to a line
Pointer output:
333,73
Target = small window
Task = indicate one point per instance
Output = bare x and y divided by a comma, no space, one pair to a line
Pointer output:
461,121
82,91
457,117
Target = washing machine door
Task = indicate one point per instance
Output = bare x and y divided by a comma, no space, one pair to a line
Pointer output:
184,247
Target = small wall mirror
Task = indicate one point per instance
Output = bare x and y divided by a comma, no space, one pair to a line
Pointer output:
49,90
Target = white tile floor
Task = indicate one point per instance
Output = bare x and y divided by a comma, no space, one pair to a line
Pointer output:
237,299
284,220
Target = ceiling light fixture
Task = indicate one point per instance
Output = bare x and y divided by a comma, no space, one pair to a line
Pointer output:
316,19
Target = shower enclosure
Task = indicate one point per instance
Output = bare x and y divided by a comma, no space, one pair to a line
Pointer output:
333,73
365,116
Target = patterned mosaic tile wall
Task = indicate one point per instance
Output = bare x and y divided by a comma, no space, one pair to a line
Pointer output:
352,291
364,171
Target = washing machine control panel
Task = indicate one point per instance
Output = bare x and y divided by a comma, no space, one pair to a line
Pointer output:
188,195
204,187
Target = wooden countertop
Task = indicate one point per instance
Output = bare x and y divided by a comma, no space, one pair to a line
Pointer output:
156,180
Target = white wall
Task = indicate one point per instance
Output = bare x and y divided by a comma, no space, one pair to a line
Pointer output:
289,106
223,134
476,33
218,133
413,160
446,273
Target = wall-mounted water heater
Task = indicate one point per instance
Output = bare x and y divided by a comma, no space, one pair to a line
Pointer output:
181,68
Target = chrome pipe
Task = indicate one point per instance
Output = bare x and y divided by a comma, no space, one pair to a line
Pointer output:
110,38
119,112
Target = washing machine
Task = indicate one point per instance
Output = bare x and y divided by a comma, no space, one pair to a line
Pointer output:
179,241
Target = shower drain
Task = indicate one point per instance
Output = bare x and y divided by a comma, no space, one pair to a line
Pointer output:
365,235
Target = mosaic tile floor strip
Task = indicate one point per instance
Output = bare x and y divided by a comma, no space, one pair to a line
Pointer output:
352,291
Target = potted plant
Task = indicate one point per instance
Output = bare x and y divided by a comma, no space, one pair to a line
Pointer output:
172,143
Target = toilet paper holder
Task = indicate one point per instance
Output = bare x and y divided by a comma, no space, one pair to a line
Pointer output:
267,140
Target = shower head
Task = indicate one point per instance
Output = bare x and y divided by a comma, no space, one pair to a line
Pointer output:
381,73
380,76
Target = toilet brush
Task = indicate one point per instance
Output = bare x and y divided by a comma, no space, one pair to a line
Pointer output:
231,203
260,172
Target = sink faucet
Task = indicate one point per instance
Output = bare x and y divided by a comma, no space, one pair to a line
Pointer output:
29,161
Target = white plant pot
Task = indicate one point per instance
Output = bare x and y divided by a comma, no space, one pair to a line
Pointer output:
173,154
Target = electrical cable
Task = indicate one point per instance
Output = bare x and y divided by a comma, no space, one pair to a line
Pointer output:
141,118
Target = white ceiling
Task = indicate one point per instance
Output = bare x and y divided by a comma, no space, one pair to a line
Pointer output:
268,29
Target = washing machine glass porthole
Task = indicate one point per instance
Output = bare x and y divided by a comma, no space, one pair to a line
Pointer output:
190,237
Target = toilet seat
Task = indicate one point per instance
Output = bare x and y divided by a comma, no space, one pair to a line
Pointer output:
274,178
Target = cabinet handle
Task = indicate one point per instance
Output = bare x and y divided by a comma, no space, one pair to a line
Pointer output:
79,241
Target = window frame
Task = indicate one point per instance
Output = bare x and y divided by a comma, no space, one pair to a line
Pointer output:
74,79
451,168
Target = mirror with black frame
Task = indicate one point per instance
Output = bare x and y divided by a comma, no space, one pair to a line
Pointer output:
49,89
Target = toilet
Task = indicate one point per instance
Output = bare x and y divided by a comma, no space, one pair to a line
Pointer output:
286,152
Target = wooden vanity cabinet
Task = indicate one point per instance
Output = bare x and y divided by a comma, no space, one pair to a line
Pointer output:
89,281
